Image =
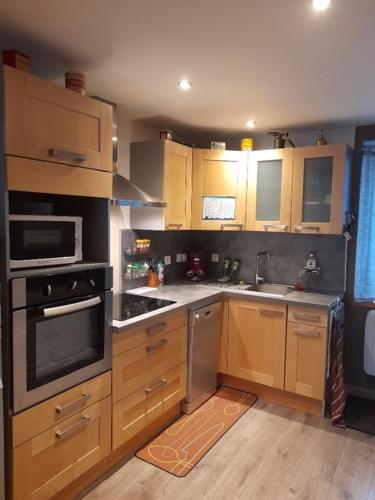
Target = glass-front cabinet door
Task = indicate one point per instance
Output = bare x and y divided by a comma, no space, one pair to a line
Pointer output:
320,189
269,190
219,189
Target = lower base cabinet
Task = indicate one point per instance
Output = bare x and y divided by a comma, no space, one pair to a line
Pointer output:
256,341
45,464
139,409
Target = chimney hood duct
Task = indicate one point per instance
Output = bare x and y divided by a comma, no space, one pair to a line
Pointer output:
128,194
124,192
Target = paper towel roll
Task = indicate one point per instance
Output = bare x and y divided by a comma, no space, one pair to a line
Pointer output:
369,346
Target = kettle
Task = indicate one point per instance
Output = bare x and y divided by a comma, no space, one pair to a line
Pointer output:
280,138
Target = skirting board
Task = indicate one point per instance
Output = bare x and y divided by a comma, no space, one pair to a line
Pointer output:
277,396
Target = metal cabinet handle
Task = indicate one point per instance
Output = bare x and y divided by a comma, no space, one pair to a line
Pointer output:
70,431
155,329
284,227
177,226
307,228
307,317
73,406
156,346
71,155
307,333
271,312
157,387
223,226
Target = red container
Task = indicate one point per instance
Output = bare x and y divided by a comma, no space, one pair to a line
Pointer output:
74,80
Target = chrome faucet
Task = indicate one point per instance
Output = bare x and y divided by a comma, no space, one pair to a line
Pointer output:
258,277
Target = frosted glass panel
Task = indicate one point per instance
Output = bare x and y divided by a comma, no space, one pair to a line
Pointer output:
219,208
317,189
268,190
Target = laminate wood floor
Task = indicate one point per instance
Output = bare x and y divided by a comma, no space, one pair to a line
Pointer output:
270,453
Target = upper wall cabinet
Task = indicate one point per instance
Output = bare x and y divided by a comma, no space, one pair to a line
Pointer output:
164,169
219,189
321,184
269,191
44,121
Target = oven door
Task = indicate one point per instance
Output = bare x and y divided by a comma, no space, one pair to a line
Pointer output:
59,346
44,240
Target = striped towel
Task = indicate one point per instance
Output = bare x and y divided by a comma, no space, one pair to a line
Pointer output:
336,386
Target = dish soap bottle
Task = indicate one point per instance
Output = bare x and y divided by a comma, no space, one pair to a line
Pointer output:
161,274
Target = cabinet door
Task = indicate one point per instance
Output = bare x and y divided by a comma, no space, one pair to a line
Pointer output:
48,462
306,360
177,185
219,189
320,189
47,122
256,342
269,191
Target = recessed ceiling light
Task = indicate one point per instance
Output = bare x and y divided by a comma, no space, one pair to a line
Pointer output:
184,84
250,124
321,4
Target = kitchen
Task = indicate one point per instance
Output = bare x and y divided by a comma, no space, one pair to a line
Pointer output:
186,273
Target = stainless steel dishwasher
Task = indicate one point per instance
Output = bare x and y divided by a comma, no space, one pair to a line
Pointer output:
203,347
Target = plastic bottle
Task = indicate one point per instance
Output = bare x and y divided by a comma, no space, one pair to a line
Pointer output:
161,274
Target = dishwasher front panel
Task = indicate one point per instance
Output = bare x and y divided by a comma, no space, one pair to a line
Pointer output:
203,347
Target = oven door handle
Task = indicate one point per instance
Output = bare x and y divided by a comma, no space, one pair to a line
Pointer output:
69,308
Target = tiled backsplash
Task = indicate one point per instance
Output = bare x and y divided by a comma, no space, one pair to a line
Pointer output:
288,254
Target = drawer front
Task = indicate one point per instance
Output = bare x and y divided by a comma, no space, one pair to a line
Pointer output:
47,122
47,463
133,413
139,366
308,315
45,415
27,175
306,356
148,331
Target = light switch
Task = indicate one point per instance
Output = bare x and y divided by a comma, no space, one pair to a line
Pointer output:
167,260
214,257
183,257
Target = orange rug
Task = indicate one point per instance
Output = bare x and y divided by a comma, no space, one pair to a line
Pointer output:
180,447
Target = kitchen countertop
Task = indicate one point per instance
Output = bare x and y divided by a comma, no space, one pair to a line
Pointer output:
195,295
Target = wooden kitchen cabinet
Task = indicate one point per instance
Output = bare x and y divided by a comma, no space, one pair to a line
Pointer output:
219,189
47,122
256,341
45,464
321,189
162,168
269,190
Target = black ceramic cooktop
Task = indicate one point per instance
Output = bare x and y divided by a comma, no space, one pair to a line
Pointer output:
127,305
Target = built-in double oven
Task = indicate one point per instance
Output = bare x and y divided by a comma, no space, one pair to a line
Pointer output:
61,323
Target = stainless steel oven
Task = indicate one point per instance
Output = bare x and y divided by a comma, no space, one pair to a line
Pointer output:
44,240
61,329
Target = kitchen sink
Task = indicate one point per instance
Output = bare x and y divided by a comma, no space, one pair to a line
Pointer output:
271,288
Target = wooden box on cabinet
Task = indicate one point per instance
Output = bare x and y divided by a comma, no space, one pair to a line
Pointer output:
269,190
219,174
47,122
321,189
256,341
162,168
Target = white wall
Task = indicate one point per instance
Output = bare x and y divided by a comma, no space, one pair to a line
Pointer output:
128,131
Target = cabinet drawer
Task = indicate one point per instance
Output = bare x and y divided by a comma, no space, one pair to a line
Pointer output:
308,315
147,331
139,366
306,355
48,462
47,122
31,422
133,413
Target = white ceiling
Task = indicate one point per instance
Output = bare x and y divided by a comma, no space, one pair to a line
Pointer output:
276,61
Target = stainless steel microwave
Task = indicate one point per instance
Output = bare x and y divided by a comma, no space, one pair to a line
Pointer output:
44,240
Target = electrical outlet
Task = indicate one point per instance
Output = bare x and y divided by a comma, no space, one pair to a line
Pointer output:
178,257
214,257
167,260
183,257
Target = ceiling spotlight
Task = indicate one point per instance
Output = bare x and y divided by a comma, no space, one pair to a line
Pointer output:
321,4
250,124
184,84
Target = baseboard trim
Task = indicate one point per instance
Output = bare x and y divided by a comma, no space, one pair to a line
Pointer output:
277,396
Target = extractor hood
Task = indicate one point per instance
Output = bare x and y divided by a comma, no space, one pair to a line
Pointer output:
127,194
